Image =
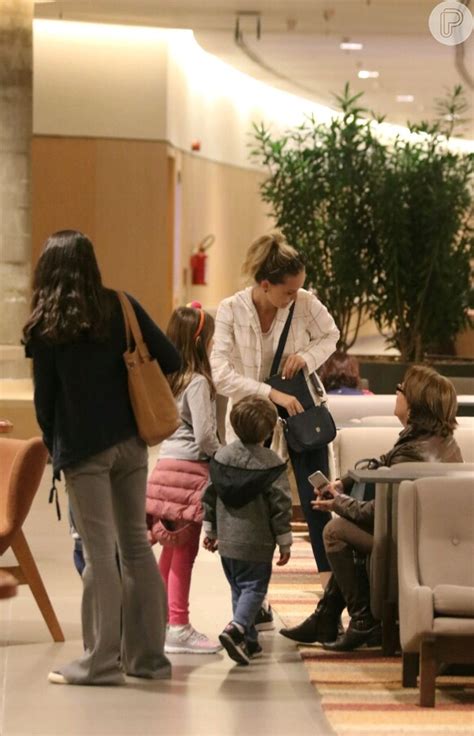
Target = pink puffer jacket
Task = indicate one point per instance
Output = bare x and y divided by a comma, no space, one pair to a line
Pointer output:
173,498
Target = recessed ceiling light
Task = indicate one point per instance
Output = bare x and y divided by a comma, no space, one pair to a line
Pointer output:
351,46
405,98
366,74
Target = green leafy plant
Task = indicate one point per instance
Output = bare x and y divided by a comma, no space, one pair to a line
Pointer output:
422,216
321,184
384,228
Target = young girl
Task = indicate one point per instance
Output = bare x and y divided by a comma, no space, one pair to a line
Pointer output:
174,511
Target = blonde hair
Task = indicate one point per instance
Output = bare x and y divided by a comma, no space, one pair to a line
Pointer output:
253,419
271,258
431,399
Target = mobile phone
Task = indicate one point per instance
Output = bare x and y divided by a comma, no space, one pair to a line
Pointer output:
318,479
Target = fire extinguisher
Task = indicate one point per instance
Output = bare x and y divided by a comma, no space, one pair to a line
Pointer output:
198,261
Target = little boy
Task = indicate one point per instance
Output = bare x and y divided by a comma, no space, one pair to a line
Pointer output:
247,511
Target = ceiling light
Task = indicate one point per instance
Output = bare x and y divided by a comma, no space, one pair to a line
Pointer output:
405,98
351,46
366,74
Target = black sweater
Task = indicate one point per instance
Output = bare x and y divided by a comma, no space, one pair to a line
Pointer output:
81,388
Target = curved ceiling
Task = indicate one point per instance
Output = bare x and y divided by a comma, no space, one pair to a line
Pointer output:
295,45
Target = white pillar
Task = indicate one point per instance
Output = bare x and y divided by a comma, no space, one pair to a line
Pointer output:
16,96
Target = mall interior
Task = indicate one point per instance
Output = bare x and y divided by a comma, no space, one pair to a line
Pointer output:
133,121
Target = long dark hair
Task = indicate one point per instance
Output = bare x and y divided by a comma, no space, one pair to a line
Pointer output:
69,301
190,330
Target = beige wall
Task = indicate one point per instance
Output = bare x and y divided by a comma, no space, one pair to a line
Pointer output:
116,192
123,195
100,81
225,201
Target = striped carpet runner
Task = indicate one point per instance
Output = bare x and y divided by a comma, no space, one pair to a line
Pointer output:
361,691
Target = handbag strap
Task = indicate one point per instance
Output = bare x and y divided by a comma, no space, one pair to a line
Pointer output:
282,342
132,328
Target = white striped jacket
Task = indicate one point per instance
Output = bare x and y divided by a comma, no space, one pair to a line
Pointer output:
237,353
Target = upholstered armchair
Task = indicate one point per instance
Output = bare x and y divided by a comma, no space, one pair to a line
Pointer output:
436,577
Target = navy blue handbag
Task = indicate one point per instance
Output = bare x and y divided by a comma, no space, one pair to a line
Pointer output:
312,429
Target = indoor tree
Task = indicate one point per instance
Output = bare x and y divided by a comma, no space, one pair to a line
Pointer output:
384,227
321,184
422,214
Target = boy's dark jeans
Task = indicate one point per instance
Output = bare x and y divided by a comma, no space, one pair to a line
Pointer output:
248,582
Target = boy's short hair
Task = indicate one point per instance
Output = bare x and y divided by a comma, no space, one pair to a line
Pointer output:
253,419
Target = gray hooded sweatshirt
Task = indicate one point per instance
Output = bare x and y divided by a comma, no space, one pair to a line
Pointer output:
247,505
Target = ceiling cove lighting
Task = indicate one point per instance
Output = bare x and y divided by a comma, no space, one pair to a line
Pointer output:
366,74
208,81
351,46
405,98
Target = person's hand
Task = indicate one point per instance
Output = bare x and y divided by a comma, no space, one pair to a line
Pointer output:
335,488
210,544
322,502
283,559
293,364
288,402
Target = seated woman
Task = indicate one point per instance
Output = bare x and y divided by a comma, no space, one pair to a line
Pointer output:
426,405
340,375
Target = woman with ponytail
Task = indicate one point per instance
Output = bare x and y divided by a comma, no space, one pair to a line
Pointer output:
248,329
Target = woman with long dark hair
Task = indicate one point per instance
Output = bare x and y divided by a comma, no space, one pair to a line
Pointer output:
76,338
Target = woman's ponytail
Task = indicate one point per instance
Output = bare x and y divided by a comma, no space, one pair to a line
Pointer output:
270,257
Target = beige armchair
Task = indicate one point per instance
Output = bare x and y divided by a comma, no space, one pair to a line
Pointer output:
383,561
436,577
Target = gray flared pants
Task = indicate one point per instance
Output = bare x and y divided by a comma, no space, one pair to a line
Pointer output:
123,612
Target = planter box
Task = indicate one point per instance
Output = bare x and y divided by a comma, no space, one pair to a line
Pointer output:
383,375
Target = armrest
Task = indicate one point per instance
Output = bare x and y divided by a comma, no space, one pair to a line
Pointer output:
415,600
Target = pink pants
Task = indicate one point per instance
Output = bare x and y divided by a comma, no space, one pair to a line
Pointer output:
176,565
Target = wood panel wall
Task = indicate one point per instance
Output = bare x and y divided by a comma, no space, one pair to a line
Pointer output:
116,191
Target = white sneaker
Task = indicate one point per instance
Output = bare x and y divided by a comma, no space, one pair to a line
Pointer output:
57,678
186,640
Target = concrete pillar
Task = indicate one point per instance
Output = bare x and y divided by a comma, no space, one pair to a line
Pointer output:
16,127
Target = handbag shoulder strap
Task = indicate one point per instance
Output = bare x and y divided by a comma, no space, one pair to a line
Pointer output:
132,328
282,342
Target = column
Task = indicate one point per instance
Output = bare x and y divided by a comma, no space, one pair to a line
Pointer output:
16,99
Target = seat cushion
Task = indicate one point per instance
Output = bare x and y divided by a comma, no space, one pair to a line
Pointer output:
451,626
453,600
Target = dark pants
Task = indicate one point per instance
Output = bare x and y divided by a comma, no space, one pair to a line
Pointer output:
248,582
305,463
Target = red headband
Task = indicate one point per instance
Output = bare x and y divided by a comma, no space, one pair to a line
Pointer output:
200,325
197,305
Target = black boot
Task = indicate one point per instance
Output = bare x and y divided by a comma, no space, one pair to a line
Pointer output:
323,625
354,584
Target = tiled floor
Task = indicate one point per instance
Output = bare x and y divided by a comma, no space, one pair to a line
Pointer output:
207,696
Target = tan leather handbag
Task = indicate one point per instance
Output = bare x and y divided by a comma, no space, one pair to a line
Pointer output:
152,402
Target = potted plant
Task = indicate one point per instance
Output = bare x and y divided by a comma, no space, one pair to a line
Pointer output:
385,227
321,185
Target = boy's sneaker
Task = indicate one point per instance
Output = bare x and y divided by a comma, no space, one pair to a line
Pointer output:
264,619
254,649
186,640
233,642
